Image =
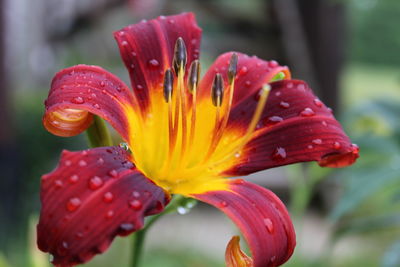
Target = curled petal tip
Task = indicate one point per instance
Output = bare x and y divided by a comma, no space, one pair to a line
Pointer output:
234,256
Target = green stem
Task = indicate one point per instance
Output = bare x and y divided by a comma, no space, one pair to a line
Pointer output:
139,236
98,134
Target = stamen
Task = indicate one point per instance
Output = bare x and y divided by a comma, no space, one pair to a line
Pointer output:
194,74
168,90
217,90
232,69
168,85
180,56
219,130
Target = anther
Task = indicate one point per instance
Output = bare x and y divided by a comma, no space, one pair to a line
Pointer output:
232,69
168,85
194,73
217,90
180,56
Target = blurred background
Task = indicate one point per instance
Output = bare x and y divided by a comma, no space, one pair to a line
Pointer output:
348,51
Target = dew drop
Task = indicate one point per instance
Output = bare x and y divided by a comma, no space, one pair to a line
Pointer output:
272,120
153,63
73,179
68,163
278,93
269,225
135,204
126,227
133,54
223,204
124,43
108,197
289,85
82,163
62,250
182,210
318,102
58,183
284,104
310,146
273,258
301,87
100,161
78,235
337,145
136,194
171,21
247,83
109,214
317,141
102,83
96,106
78,100
243,70
272,64
355,149
113,173
324,123
95,183
139,87
279,154
73,204
307,112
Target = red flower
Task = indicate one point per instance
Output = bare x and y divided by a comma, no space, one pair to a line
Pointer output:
186,138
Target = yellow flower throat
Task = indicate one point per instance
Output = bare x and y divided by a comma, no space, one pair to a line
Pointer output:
182,143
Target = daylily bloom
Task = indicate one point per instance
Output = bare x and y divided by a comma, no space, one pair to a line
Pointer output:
185,136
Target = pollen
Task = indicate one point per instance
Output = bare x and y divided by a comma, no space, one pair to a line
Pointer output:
183,142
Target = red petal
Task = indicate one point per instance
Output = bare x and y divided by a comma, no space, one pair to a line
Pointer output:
78,91
91,197
147,50
295,127
262,218
252,73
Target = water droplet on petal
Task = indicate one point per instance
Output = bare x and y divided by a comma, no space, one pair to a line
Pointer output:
289,85
223,204
273,258
301,87
269,225
108,197
82,163
324,123
136,194
279,154
355,149
247,83
73,204
73,179
135,204
243,70
113,173
139,87
96,106
58,183
284,104
78,235
310,146
272,120
182,210
272,64
318,102
100,161
317,141
337,145
109,214
68,163
124,43
153,63
63,249
102,83
78,100
95,183
307,112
